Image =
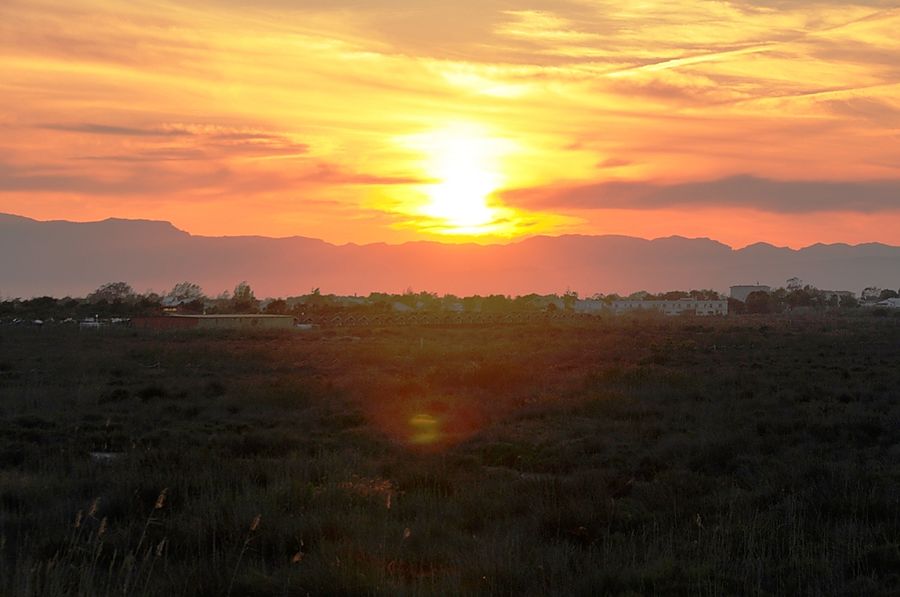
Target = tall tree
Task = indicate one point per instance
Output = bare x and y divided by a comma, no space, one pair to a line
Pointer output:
112,292
277,307
759,302
185,292
243,300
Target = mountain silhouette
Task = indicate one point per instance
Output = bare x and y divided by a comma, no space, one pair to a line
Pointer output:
60,258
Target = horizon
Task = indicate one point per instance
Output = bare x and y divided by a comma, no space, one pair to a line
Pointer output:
478,122
61,258
470,241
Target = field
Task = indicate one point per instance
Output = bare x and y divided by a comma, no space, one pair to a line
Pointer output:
739,456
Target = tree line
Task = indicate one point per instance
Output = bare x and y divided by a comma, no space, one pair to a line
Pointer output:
119,299
797,295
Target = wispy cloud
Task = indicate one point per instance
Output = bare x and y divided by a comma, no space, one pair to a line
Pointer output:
330,174
107,129
746,192
279,106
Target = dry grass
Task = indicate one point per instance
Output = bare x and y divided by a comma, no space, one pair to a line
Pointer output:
636,456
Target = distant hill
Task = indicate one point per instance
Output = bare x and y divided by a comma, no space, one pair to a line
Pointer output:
67,258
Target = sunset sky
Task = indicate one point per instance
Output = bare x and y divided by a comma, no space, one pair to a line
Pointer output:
490,120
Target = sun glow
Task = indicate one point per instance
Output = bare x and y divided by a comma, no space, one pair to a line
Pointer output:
465,164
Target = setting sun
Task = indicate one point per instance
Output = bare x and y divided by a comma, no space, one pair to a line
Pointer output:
465,164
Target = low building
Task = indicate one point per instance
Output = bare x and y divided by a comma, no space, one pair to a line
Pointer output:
215,322
90,324
891,303
589,306
740,293
840,295
685,306
454,307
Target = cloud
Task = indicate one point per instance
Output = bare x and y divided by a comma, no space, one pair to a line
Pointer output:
142,181
173,154
876,111
331,174
154,174
93,128
613,163
196,142
750,192
542,26
271,103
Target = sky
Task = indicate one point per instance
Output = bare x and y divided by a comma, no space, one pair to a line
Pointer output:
476,120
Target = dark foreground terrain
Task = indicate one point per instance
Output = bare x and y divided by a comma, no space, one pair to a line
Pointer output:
635,456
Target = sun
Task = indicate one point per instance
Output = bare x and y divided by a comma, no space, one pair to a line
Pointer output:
462,166
465,165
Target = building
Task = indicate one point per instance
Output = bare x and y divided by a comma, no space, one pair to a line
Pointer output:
589,306
683,306
215,322
839,295
454,306
891,303
741,293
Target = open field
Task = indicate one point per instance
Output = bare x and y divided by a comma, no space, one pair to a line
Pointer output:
628,456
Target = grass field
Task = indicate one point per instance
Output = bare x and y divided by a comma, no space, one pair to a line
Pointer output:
636,456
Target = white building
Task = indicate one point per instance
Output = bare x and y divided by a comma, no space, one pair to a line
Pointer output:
840,295
589,306
741,293
679,307
891,303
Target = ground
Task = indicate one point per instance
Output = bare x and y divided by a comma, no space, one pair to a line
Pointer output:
633,456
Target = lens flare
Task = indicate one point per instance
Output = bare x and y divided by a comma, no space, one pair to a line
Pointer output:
424,429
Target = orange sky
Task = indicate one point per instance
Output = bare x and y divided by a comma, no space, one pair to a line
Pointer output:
393,120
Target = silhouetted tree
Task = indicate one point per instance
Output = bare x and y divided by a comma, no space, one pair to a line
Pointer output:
243,300
705,295
111,293
277,307
759,302
849,302
794,284
673,295
800,297
496,303
611,298
736,307
185,292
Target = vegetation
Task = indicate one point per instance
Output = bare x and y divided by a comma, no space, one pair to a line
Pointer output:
118,300
630,455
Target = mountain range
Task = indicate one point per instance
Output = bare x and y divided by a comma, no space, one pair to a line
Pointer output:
60,258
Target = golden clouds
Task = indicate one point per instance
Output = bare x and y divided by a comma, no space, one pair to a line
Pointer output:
304,116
